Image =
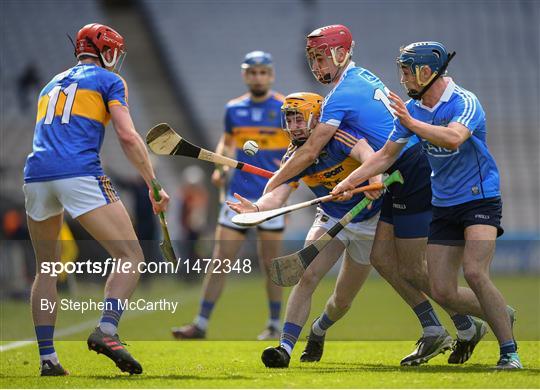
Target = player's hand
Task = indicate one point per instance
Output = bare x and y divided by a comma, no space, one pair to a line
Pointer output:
162,205
374,194
218,177
343,189
244,206
400,110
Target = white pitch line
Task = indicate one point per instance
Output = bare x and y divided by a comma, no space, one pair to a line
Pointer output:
61,333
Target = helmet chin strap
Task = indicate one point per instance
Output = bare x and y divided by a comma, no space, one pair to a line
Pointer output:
417,95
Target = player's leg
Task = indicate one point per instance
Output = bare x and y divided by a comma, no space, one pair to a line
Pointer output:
111,226
413,267
479,251
299,302
351,278
44,236
227,244
95,204
384,257
269,247
45,215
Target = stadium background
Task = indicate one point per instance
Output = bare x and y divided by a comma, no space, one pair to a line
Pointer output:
183,65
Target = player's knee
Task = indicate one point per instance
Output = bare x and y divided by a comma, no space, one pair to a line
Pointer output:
309,280
443,295
474,275
380,263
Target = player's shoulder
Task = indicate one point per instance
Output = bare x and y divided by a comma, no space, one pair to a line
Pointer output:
290,151
462,94
239,101
278,97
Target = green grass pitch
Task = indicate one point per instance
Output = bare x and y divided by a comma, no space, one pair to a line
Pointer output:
363,352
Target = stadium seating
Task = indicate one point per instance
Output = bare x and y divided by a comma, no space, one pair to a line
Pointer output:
497,58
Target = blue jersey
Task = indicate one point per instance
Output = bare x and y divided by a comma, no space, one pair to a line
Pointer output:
358,104
73,110
332,166
260,122
462,175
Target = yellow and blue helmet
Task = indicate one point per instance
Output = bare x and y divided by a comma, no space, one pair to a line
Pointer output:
417,55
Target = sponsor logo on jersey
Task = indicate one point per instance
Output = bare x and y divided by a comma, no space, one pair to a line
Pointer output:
438,151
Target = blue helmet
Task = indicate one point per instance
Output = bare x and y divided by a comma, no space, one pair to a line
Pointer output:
420,54
257,57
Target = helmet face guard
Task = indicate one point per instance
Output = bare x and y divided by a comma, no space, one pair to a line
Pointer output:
101,42
416,57
300,112
322,51
320,60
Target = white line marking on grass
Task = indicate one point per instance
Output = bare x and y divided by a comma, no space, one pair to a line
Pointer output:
61,333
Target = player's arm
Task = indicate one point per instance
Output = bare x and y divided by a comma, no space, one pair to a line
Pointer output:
449,137
269,201
374,165
304,156
224,147
135,149
361,152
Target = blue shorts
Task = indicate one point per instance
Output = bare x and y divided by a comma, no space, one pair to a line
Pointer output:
407,206
449,223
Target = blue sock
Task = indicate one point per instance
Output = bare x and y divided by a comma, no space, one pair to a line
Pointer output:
462,322
427,316
508,347
320,326
205,311
44,336
275,310
110,316
289,336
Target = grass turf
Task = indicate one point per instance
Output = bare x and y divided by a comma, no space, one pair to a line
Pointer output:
358,359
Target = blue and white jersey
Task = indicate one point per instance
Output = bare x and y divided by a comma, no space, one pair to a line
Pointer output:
462,175
359,105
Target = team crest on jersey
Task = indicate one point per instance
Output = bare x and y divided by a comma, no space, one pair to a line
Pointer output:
256,114
272,115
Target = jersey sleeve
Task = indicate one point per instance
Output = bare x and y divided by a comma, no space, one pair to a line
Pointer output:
294,182
117,93
400,133
334,109
345,142
468,112
228,120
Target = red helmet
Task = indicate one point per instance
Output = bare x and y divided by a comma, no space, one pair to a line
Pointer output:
98,40
325,41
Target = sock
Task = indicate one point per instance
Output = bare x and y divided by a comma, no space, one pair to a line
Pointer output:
205,311
322,324
275,310
45,336
508,347
110,316
289,336
428,319
465,326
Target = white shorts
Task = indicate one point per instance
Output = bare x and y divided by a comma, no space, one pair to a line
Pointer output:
78,195
357,237
226,214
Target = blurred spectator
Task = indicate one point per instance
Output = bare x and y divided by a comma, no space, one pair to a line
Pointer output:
28,84
193,214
